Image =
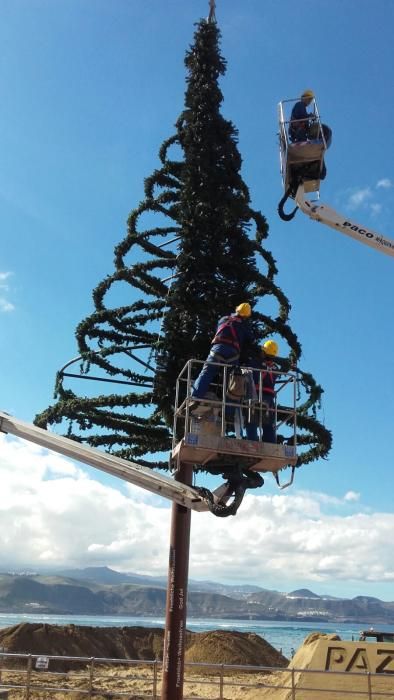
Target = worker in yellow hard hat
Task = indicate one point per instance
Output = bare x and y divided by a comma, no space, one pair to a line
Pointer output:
300,118
265,374
233,332
270,348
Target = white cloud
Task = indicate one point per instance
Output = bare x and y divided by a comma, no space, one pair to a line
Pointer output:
53,513
359,197
5,305
376,208
288,538
3,280
352,496
385,183
367,198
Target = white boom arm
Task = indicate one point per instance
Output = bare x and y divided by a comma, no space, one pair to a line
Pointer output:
128,471
329,217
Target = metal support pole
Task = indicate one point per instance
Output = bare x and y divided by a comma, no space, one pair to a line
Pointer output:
178,568
369,686
91,677
154,688
293,687
28,676
221,686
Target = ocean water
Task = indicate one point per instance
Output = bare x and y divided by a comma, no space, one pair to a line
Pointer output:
285,636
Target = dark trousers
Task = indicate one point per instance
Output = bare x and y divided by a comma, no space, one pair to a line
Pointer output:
223,353
268,422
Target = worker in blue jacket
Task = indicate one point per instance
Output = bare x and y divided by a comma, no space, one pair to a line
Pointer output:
233,332
266,371
300,118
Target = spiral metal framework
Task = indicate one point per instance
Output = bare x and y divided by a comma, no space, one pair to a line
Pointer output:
127,346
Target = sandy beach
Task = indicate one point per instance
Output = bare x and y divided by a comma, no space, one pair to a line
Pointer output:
137,683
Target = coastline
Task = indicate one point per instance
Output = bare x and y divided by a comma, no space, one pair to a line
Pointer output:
286,635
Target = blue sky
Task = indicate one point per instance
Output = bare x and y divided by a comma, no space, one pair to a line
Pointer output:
88,93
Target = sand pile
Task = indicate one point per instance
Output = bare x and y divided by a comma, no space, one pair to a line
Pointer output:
72,640
221,647
234,648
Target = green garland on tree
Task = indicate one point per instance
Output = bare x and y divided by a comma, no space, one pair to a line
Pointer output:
204,256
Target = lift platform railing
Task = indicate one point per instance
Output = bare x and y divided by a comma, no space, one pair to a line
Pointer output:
222,411
284,114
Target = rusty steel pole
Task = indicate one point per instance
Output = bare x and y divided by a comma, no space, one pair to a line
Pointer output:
178,569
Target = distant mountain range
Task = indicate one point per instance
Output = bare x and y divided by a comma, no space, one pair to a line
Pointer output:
103,591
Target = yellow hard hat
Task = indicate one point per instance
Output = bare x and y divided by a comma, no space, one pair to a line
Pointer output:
309,94
244,309
270,347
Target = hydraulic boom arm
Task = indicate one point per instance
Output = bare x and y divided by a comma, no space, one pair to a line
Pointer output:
122,468
329,217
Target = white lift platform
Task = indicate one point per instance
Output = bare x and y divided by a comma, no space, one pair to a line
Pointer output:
257,456
302,169
144,477
201,436
302,158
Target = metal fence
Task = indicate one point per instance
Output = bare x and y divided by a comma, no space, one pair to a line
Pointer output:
38,677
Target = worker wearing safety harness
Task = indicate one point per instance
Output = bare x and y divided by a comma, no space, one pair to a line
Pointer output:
232,334
266,373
